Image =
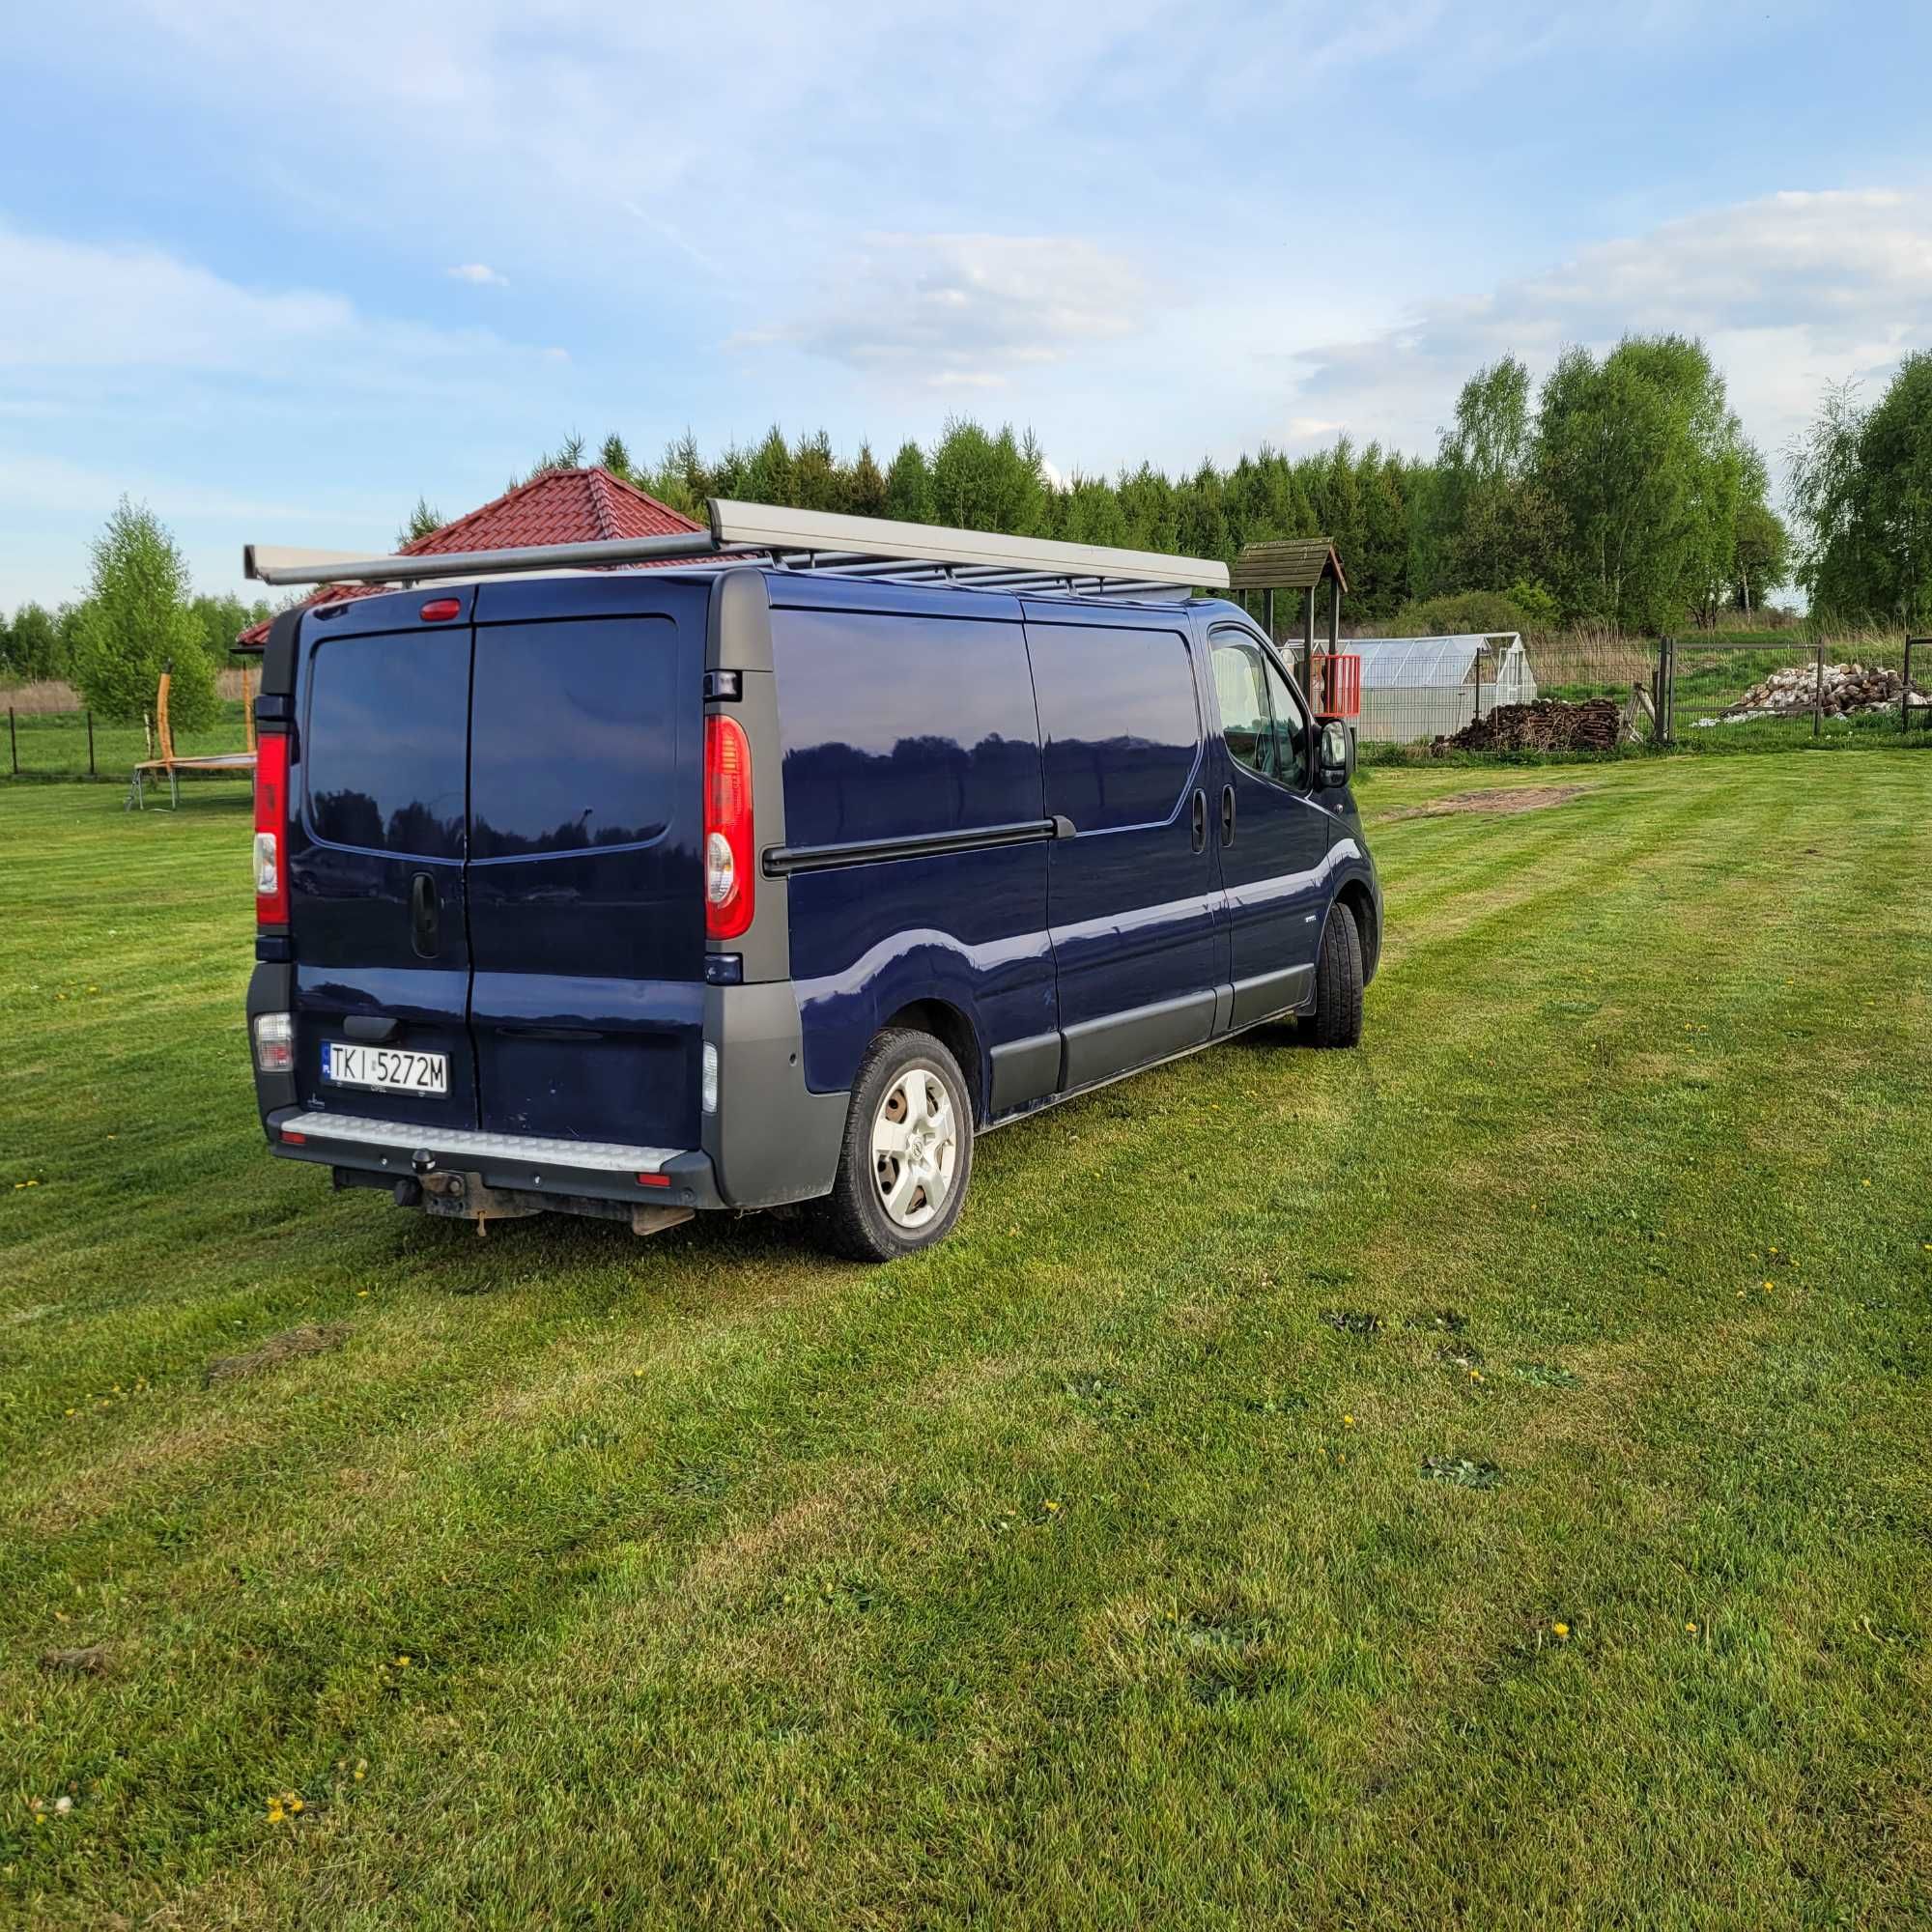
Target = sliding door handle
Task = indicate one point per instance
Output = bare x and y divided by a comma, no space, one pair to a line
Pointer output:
1200,820
1227,814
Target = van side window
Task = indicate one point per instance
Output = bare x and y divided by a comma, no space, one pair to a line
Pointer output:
387,740
897,726
1261,721
1118,721
573,735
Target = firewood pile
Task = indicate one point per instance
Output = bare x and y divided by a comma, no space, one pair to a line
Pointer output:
1794,691
1550,724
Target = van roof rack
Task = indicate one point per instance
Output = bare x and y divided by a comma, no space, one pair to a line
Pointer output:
812,541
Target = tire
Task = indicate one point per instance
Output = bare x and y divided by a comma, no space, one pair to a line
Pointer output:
1337,1019
909,1136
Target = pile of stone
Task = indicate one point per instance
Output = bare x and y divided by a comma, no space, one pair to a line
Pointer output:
1794,692
1547,725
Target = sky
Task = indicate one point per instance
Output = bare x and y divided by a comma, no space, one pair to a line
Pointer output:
276,270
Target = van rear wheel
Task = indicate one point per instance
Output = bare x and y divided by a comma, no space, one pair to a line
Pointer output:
1338,983
908,1150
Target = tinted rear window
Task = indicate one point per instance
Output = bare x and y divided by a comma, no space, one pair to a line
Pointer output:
897,726
1119,721
573,735
387,738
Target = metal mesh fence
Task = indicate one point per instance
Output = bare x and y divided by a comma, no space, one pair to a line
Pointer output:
1751,689
43,742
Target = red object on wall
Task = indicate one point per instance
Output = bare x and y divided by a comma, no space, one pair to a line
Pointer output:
1338,684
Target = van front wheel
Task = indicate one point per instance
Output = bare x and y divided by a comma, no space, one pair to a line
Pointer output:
1338,983
908,1150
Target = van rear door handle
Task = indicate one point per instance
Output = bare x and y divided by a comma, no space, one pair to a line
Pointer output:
1200,820
1227,814
425,917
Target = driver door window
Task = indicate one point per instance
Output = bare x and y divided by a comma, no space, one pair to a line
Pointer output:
1262,720
1242,689
1290,730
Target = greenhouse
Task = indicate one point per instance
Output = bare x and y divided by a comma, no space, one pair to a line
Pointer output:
1430,687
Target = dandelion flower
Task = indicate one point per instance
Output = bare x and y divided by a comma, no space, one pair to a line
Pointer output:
1561,1630
402,1663
1348,1422
1692,1628
1051,1505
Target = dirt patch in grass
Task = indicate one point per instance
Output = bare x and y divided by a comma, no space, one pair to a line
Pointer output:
1497,800
89,1660
291,1346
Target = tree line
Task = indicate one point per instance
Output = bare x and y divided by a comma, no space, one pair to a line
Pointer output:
1622,491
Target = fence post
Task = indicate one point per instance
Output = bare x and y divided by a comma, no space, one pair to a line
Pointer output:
13,741
1818,696
91,772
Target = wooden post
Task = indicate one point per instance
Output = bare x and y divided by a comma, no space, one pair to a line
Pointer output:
1308,645
1268,613
13,741
91,772
1818,697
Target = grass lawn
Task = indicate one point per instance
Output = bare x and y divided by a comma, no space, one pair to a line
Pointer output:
1082,1571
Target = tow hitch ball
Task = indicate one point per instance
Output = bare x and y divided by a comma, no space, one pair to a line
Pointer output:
451,1186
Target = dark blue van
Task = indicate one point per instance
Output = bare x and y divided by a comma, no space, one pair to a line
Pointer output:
636,893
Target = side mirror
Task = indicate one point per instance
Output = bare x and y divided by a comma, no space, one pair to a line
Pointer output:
1335,754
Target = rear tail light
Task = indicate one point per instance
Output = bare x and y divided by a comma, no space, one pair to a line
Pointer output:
271,817
730,883
274,1042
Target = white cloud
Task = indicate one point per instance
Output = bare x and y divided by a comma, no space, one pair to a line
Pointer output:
481,273
953,311
71,311
1789,291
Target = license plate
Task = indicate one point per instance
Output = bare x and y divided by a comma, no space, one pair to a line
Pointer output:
394,1069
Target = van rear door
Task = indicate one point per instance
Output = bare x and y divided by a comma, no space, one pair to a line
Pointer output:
376,916
585,894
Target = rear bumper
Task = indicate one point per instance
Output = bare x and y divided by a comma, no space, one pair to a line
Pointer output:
639,1177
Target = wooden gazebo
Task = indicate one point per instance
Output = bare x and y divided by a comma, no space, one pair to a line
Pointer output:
1301,564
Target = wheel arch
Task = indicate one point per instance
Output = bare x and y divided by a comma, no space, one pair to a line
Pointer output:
955,1032
1354,894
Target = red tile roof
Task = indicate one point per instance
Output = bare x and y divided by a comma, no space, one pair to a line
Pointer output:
559,506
